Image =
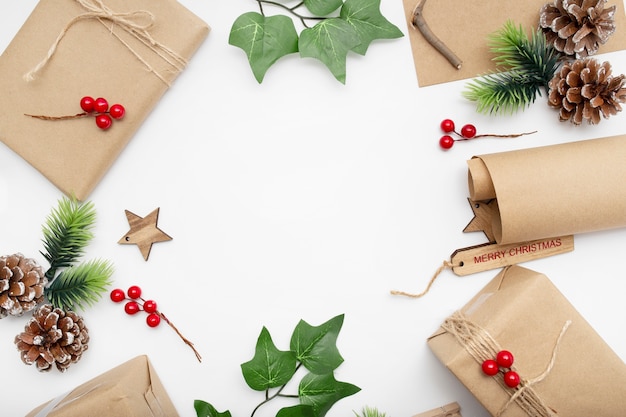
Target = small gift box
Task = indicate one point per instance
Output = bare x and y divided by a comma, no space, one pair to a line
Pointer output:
126,51
563,366
132,389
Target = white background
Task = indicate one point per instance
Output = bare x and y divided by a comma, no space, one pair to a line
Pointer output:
300,198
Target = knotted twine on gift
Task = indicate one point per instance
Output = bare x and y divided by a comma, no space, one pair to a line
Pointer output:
481,346
136,23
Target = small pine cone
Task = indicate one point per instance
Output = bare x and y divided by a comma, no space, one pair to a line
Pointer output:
22,284
53,337
585,89
577,27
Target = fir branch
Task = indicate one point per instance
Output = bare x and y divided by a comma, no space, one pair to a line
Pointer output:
66,233
369,412
80,286
504,92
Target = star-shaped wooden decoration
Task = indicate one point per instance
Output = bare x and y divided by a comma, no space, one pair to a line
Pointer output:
143,232
483,213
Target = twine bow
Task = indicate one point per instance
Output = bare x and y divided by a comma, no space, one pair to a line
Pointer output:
481,346
136,23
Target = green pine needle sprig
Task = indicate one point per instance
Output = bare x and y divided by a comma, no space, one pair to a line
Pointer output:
80,286
527,65
66,233
369,412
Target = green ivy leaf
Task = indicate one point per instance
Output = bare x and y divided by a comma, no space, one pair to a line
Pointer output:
316,347
204,409
322,391
300,410
322,7
270,367
330,41
263,39
369,23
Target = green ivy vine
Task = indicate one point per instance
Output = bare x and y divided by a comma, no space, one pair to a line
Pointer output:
331,29
270,370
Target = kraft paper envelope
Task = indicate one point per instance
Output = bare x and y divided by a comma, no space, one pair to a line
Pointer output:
553,190
524,313
464,26
132,389
94,58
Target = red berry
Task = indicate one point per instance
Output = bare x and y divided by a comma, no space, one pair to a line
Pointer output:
504,358
86,103
490,367
153,319
101,105
103,121
150,306
134,292
446,142
131,307
511,379
117,295
117,111
468,131
447,125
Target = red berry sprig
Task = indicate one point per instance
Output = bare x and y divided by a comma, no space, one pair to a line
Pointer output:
502,363
467,132
97,108
135,303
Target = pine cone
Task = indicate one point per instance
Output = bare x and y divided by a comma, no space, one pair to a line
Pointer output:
585,89
577,27
22,283
53,337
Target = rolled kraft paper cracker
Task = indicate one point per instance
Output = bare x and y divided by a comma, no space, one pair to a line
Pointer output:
554,190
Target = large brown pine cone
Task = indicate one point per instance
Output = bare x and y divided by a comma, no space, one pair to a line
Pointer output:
585,90
22,284
53,337
577,27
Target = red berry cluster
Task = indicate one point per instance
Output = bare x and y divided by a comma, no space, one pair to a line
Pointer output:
503,362
135,304
103,114
468,131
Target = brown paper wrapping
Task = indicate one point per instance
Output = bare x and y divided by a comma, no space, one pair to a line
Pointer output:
464,26
525,313
132,389
554,190
90,60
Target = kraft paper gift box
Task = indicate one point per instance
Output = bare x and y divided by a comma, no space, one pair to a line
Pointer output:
132,389
127,51
566,368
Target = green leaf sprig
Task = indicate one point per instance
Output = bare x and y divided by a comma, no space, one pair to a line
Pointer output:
66,233
271,369
340,27
526,64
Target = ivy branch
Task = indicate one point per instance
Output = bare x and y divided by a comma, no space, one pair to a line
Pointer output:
311,347
66,233
526,64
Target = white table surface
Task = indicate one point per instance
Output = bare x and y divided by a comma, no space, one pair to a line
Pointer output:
300,198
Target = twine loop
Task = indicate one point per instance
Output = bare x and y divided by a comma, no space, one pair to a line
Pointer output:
136,23
445,265
481,346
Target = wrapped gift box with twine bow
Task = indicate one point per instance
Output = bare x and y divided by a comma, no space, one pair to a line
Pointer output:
564,367
128,51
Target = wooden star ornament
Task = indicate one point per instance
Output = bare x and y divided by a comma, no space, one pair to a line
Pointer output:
143,232
483,213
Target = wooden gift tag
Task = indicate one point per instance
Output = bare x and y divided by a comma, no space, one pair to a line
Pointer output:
448,410
492,255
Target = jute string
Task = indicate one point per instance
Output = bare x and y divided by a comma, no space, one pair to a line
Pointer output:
136,23
481,346
445,265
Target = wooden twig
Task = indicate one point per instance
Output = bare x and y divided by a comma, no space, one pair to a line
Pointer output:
420,24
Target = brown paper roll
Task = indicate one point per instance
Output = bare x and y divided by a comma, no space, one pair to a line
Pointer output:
554,190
